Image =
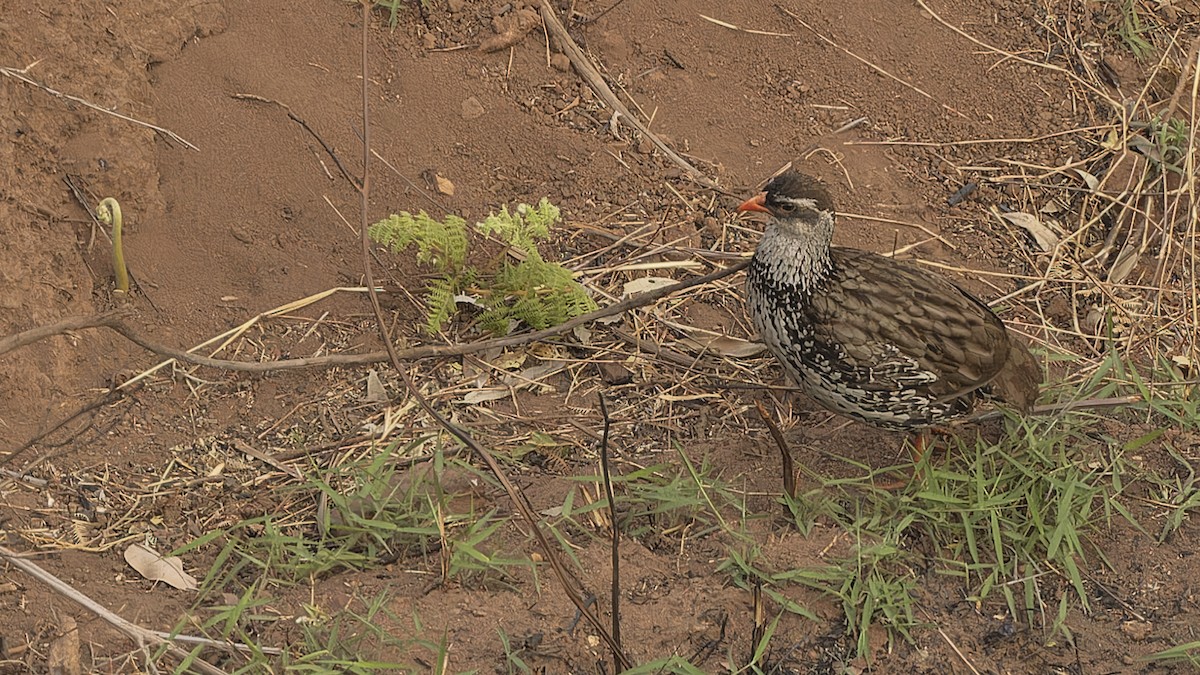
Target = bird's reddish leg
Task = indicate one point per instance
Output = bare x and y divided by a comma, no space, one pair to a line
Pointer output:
916,450
919,445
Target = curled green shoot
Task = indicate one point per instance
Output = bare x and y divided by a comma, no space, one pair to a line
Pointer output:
109,213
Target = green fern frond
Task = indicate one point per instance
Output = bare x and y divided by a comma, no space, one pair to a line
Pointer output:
442,244
523,227
540,294
496,320
439,303
535,292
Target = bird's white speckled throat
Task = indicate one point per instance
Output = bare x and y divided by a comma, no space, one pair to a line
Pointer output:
798,249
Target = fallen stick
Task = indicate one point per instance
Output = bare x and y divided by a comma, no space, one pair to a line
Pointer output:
138,634
112,321
583,65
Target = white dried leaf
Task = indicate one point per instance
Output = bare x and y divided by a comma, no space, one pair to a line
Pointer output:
645,284
724,345
1052,207
1043,235
375,391
1121,268
611,319
530,376
484,395
1093,183
152,565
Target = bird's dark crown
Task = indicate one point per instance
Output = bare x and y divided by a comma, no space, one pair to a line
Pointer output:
785,192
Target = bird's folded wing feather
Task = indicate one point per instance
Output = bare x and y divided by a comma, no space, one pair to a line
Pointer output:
907,327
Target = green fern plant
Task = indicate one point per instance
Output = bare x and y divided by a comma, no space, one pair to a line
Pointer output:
440,244
537,293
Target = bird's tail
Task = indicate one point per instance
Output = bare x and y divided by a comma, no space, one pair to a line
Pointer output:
1018,381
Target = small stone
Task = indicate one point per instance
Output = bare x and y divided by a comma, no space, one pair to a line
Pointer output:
456,6
443,185
1138,630
472,109
561,62
645,146
242,234
614,373
429,41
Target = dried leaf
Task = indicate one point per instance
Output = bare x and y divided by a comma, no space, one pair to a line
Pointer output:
1144,146
1121,268
152,565
724,345
1052,207
645,284
510,360
64,657
1112,141
1092,182
530,376
1044,236
375,391
443,185
548,352
485,395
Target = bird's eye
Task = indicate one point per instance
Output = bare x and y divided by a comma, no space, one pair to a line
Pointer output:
786,207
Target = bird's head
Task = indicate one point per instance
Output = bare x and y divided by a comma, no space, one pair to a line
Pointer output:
799,206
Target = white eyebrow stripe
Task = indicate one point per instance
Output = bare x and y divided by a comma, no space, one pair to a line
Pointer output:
799,201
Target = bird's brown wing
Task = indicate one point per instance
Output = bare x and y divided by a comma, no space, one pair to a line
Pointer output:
900,326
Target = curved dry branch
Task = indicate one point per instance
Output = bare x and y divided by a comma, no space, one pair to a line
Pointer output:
135,632
112,321
583,65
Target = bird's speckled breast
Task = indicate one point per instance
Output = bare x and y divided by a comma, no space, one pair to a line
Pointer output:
782,310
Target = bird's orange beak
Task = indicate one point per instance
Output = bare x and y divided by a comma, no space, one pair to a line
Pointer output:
755,203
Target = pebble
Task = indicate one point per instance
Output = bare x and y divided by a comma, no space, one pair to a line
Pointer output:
472,109
242,234
456,6
561,62
1138,630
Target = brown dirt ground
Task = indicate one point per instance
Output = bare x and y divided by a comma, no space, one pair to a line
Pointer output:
251,221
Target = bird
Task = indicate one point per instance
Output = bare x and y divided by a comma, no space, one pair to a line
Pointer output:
873,338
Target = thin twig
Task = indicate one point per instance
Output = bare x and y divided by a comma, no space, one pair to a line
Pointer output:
67,325
1037,64
593,77
299,120
867,63
569,584
134,631
615,544
20,74
789,469
114,323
